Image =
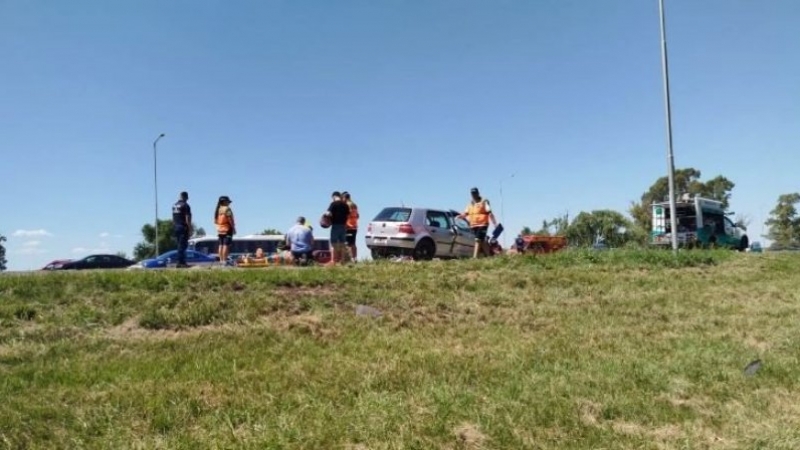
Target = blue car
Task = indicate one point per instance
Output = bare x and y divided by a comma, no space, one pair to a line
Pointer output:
170,259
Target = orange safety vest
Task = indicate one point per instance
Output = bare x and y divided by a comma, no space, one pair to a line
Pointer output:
352,218
478,214
224,220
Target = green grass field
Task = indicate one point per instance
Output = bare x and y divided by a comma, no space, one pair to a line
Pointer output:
589,350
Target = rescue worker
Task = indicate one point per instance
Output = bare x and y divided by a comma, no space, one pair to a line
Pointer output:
351,225
182,226
226,227
478,213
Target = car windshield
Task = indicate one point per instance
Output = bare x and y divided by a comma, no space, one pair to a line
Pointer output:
393,215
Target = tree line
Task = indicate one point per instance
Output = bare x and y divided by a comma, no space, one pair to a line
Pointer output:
619,230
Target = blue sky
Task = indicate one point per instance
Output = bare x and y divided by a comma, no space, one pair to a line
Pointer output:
278,103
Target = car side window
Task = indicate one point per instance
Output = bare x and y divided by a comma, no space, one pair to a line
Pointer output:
436,219
462,224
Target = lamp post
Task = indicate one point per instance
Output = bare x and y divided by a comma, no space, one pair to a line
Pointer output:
155,184
502,205
670,156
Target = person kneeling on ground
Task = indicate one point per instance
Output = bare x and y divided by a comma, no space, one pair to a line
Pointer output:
301,242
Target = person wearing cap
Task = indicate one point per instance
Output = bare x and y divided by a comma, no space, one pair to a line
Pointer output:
182,226
478,213
351,225
226,227
300,240
337,213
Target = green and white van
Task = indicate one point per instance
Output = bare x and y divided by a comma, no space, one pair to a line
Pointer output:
702,222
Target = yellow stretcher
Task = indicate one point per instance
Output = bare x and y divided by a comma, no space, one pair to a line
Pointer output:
276,259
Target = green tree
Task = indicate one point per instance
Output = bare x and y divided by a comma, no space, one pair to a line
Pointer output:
3,260
270,231
784,223
612,226
544,230
166,239
557,226
686,181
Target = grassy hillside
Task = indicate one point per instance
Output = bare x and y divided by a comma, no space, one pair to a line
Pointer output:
574,350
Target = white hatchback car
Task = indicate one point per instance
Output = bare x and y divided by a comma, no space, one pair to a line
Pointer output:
422,233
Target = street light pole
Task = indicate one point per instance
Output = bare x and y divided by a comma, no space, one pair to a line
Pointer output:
155,184
502,206
670,157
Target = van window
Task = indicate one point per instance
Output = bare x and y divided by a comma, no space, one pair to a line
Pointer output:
205,247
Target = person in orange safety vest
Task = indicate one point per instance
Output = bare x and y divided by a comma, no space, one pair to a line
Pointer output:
478,213
226,227
352,225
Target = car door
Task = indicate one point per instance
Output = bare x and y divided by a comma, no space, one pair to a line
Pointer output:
465,239
732,235
438,227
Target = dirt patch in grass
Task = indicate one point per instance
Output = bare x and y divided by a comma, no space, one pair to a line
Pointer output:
469,437
132,330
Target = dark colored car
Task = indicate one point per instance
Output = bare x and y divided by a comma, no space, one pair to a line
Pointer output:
97,262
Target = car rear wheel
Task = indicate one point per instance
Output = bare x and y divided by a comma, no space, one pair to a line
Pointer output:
425,250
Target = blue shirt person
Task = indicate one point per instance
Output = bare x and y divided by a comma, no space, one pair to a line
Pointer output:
301,242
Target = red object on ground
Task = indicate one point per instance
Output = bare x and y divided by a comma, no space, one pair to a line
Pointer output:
539,244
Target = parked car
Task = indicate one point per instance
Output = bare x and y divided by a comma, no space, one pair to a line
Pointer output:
755,247
97,262
170,259
422,233
54,265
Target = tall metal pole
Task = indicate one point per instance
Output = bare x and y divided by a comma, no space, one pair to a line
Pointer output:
155,184
502,206
670,158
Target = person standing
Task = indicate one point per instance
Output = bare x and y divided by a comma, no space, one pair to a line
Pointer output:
351,225
337,213
182,226
301,242
478,213
226,227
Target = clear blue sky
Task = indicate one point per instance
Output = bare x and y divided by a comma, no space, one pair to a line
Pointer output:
278,103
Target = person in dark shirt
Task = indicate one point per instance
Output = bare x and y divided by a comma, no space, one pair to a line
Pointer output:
182,226
338,212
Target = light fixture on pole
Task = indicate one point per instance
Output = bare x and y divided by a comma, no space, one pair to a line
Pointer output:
502,205
670,158
155,185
